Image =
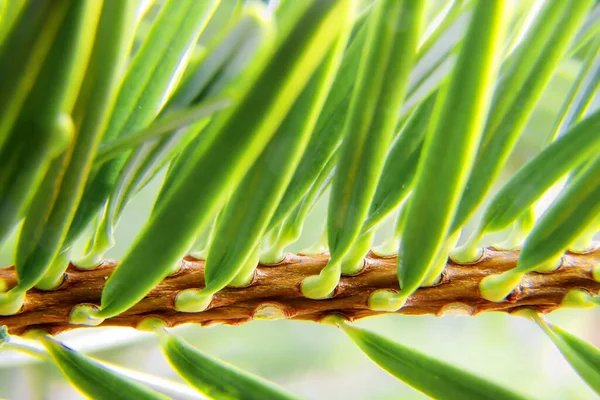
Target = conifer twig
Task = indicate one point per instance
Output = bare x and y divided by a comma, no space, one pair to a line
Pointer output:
275,291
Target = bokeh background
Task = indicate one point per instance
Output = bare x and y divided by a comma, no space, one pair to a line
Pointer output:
319,362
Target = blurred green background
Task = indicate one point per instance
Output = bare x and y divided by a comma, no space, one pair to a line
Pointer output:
319,362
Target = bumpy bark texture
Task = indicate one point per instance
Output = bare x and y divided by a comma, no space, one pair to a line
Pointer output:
279,286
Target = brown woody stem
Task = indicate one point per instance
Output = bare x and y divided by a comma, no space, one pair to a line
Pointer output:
279,286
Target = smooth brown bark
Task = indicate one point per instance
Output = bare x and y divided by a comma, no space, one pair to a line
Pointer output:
279,286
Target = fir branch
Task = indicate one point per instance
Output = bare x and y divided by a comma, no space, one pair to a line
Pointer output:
279,286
